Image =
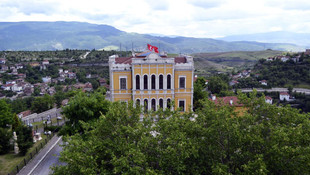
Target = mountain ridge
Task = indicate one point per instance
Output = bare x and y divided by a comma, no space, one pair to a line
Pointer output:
81,35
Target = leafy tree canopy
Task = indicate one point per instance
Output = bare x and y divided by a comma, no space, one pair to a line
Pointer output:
264,139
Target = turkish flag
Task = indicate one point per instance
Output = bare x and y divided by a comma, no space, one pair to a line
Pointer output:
152,48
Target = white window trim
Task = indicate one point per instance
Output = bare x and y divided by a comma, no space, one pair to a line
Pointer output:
120,82
147,77
159,103
155,104
184,104
167,82
139,82
181,76
136,102
159,81
155,81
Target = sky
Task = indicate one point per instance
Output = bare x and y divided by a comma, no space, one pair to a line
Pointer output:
191,18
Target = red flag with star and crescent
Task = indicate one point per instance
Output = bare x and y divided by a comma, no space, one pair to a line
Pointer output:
152,48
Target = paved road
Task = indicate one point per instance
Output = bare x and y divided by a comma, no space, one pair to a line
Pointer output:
52,158
300,90
47,157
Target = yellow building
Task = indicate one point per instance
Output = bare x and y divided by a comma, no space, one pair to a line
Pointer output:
152,80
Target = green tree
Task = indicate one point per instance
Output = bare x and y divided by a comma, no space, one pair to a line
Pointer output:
263,139
83,107
6,116
200,92
41,104
5,136
216,85
24,138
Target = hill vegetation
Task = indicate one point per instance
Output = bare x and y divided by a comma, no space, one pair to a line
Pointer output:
78,35
206,63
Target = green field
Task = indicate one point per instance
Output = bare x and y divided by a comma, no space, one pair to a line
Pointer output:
208,63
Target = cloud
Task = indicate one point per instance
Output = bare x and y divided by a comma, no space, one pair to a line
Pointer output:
31,7
207,3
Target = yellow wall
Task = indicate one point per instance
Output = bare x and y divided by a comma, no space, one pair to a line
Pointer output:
116,79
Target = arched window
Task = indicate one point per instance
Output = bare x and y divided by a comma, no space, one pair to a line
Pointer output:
161,82
161,103
137,102
137,81
145,82
168,81
153,82
153,104
168,103
145,105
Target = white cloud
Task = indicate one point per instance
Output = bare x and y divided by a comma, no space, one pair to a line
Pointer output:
196,18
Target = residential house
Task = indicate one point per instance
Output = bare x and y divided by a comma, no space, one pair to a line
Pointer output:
71,75
10,82
19,66
16,88
4,68
88,87
263,82
7,87
268,99
45,62
46,79
102,82
2,61
34,64
24,114
284,96
233,82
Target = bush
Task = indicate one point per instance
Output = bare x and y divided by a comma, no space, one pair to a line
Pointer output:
24,139
5,137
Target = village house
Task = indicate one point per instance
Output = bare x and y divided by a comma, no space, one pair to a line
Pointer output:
24,114
4,68
263,82
284,96
34,64
268,99
88,87
7,87
2,61
19,66
21,75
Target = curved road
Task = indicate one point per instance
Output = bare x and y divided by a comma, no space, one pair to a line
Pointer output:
46,158
300,90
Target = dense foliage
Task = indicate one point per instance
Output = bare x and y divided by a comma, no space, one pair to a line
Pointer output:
279,74
83,107
24,138
263,139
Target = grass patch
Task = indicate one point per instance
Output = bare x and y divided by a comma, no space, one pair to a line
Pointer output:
9,161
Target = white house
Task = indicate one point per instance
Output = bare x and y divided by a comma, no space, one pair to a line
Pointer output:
16,88
268,99
263,82
284,96
46,79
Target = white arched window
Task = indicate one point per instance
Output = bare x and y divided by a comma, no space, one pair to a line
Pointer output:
137,81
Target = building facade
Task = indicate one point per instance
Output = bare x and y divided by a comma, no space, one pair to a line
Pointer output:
152,80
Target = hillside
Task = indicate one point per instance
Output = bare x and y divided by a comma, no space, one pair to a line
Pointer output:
227,61
78,35
273,37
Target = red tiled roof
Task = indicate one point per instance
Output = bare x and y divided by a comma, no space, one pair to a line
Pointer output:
226,101
268,98
180,60
284,93
128,60
123,60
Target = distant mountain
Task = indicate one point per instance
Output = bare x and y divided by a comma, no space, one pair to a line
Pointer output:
302,39
79,35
